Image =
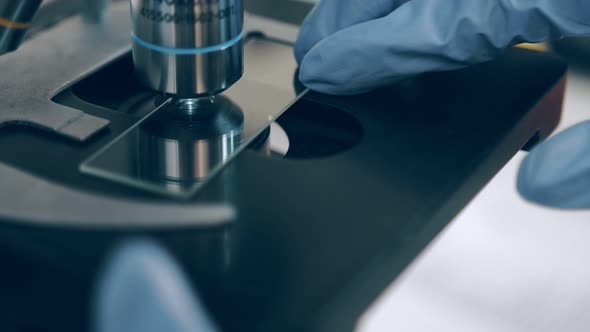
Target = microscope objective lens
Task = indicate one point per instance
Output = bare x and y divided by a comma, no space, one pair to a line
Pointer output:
191,105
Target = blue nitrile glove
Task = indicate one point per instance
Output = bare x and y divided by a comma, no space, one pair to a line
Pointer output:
144,290
352,46
557,172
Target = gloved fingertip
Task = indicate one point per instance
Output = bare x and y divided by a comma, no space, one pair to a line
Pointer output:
143,289
319,75
299,50
313,74
309,67
556,173
530,187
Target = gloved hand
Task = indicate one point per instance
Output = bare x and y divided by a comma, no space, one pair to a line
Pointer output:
352,46
144,290
557,172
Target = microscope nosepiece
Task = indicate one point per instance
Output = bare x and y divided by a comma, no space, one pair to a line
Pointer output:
188,48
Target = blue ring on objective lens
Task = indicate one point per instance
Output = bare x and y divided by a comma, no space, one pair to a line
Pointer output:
189,51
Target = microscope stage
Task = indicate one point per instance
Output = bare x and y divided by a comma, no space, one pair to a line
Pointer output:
367,182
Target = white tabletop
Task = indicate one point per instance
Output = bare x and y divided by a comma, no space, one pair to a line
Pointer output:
502,265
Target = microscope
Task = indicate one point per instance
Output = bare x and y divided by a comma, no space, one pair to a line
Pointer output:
184,121
189,53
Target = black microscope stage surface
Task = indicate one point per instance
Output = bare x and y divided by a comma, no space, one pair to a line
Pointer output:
367,183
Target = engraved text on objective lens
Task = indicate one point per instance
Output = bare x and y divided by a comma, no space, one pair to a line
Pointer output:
204,17
195,3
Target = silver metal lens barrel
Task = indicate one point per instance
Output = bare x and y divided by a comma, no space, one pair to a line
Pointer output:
188,48
15,19
181,145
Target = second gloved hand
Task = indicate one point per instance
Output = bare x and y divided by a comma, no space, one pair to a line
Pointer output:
557,172
143,289
353,46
